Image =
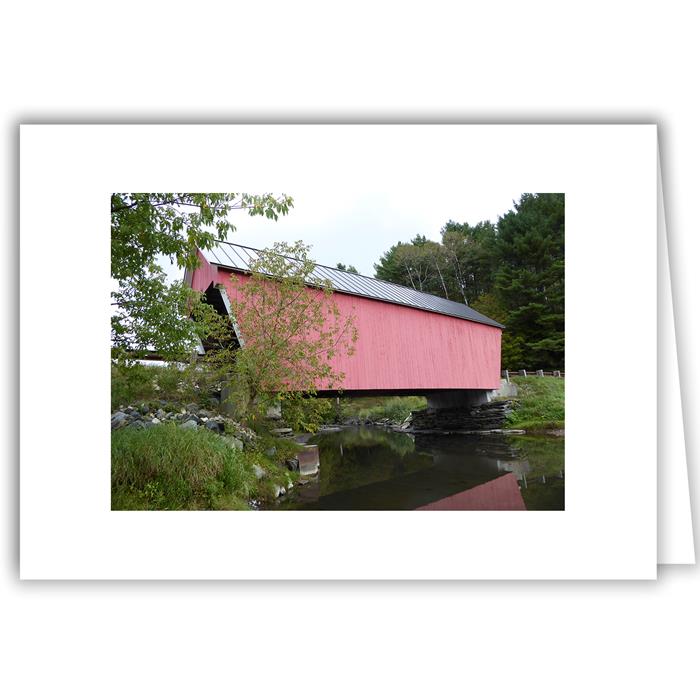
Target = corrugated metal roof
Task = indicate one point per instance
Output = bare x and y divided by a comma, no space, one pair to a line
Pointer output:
239,257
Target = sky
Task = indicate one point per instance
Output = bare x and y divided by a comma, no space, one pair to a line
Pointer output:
359,189
357,227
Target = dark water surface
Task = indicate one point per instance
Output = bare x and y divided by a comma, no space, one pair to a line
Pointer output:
371,468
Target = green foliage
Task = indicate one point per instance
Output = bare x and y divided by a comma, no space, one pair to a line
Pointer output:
394,408
347,268
539,404
459,268
149,313
169,468
306,414
291,331
529,282
133,382
512,346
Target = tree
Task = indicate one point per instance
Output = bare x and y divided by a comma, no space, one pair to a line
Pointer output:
529,282
149,313
419,264
290,328
471,255
347,268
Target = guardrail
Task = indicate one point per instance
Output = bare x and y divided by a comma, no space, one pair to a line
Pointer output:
506,373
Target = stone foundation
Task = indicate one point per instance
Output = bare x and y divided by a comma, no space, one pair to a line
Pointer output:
486,416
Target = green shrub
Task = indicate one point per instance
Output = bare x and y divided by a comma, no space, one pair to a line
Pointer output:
170,468
307,414
133,382
394,408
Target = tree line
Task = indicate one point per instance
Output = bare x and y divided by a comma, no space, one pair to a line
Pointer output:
512,271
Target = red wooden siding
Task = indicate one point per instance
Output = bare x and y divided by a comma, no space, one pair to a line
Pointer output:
403,348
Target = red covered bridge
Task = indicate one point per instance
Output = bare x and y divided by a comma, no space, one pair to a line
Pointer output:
408,342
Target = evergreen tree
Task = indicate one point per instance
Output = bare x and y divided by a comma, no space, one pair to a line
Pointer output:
529,282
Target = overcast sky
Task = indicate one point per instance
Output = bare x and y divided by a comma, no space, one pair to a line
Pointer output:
359,189
357,228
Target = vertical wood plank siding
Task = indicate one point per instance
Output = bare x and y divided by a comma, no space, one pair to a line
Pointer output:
400,347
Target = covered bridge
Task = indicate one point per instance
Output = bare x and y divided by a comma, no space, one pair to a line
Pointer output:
408,342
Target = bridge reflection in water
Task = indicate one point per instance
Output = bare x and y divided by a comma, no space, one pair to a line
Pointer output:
369,468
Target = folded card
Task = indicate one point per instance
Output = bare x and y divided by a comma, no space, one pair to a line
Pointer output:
486,255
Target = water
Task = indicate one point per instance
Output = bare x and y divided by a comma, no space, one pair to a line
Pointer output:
371,468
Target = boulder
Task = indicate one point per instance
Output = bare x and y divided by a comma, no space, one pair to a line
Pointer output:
213,425
234,442
119,419
189,424
155,421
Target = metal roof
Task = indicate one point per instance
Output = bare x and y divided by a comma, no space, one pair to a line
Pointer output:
239,257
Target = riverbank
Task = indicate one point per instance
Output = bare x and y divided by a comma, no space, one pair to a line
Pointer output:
539,406
538,409
190,458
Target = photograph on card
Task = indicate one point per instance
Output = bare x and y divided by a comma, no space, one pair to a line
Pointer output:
366,354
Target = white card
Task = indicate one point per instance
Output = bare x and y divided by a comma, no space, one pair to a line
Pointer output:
609,527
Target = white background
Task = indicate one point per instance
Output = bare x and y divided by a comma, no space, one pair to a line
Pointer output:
507,62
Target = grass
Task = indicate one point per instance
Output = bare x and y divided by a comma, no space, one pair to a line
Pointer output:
170,468
539,405
395,408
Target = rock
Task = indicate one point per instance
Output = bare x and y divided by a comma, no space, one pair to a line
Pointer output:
155,421
202,413
135,415
119,419
192,408
488,416
138,424
292,464
143,409
234,442
277,491
271,451
161,414
259,472
189,424
281,431
213,425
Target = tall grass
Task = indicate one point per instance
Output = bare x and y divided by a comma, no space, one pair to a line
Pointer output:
170,468
539,405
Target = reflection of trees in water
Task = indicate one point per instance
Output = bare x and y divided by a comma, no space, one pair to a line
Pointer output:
382,464
542,487
359,456
537,462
